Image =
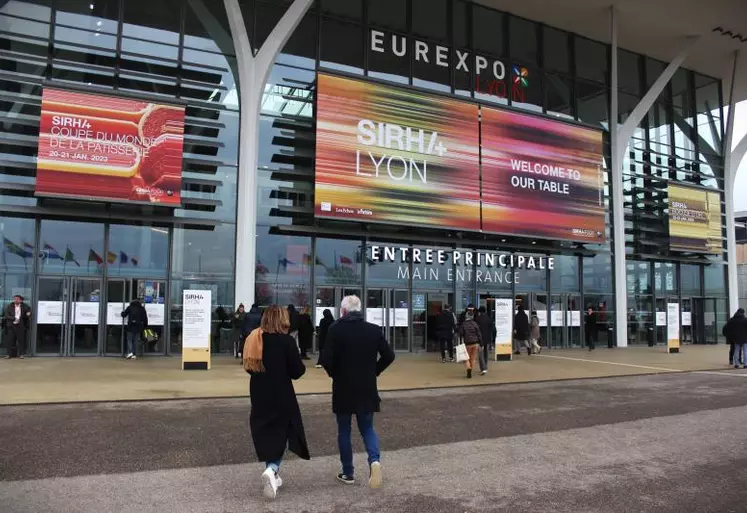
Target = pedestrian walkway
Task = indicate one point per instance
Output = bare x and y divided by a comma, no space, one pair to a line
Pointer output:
51,380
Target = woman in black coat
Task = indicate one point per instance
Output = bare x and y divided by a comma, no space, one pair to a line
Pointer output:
272,360
321,334
305,333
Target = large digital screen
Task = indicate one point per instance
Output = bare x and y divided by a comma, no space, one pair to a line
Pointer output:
541,178
101,147
694,220
387,154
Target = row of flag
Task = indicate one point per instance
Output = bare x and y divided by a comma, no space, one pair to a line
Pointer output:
50,253
307,260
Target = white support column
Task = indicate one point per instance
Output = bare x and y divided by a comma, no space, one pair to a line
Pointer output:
253,73
619,138
732,160
618,215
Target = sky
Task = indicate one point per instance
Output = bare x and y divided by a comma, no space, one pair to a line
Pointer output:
740,130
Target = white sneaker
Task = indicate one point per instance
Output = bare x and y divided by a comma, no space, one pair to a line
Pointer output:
482,373
130,355
270,483
374,481
133,357
318,366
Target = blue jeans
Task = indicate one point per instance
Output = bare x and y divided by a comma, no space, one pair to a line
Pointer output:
274,465
132,339
740,351
345,444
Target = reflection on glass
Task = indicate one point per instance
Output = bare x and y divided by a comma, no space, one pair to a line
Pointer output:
137,250
71,248
337,261
85,313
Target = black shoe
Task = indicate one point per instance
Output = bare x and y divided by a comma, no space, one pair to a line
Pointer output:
343,478
469,373
517,352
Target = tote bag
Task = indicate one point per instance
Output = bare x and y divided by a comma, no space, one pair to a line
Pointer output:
461,353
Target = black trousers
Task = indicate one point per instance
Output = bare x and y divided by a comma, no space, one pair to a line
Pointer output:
591,341
446,343
15,340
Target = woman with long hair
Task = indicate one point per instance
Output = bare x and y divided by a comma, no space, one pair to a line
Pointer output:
271,358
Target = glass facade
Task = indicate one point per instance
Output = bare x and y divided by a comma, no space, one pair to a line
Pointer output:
182,51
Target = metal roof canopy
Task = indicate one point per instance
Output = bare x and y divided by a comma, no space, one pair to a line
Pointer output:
655,28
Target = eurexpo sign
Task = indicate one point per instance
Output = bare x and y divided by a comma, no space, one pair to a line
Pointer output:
490,74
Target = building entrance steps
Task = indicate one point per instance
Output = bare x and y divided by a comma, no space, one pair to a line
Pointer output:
54,380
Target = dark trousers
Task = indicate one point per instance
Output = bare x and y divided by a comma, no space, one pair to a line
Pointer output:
345,444
484,357
591,341
15,339
446,343
320,349
731,354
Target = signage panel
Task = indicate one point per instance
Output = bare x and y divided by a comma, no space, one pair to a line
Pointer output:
387,154
504,327
93,146
673,327
694,220
541,178
196,319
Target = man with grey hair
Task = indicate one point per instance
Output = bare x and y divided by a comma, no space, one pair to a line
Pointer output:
355,354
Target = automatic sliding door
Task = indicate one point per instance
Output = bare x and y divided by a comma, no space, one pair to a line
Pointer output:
51,315
84,319
116,303
399,320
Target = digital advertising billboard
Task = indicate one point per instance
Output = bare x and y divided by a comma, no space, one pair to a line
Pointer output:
694,220
392,155
107,148
541,178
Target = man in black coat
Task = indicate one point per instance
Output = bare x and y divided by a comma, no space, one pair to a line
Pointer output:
445,325
252,320
487,330
137,321
521,331
735,332
17,318
355,354
591,328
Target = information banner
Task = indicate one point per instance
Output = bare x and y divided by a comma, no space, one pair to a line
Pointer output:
556,318
399,317
319,313
686,318
661,318
541,178
394,155
673,327
50,312
114,313
504,327
93,146
156,314
86,313
542,316
196,324
375,316
694,220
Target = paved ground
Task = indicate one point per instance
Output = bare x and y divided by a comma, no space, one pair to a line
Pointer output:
664,443
49,380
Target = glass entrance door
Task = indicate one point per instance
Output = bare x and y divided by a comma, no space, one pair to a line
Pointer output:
117,299
389,309
566,320
686,317
533,302
68,315
330,298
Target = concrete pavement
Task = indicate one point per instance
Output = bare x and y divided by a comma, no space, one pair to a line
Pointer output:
663,443
50,380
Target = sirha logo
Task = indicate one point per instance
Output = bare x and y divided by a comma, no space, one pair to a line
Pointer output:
521,76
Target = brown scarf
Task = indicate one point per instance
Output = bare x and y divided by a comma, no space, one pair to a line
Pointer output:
252,354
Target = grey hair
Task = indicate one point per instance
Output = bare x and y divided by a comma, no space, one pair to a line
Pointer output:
351,304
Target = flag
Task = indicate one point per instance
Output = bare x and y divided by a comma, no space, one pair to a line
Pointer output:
284,263
111,257
345,260
69,257
28,245
123,258
94,257
307,259
12,247
319,262
50,253
134,261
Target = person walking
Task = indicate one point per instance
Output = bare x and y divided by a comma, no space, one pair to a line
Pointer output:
487,330
293,318
472,338
321,334
355,354
590,328
735,332
237,326
305,333
252,320
137,321
534,332
445,323
521,331
271,358
17,317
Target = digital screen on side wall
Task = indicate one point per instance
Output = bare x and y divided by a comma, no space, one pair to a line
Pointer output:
541,178
392,155
694,220
100,147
